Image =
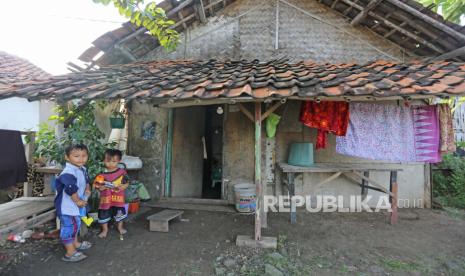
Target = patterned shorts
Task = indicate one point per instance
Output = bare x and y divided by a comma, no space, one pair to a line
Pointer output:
118,214
69,228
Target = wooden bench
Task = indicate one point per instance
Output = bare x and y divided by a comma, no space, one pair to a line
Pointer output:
160,221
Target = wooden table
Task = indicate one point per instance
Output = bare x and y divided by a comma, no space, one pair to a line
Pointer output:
349,170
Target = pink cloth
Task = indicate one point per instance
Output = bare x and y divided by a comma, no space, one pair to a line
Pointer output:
426,127
379,132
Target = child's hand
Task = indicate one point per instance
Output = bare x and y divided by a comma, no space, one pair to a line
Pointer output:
81,203
87,193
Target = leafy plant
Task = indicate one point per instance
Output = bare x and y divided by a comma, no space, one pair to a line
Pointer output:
452,10
151,17
449,181
83,129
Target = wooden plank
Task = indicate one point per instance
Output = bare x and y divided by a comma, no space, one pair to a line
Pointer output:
50,170
332,177
258,169
30,223
343,167
194,200
364,13
291,189
373,182
394,200
26,210
365,184
201,11
165,215
36,198
246,112
195,207
169,153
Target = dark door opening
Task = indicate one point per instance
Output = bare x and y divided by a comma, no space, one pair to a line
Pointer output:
213,152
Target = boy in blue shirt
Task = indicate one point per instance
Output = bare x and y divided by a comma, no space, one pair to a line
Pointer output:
72,185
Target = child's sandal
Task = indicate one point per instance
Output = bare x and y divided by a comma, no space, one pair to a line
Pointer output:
84,245
76,257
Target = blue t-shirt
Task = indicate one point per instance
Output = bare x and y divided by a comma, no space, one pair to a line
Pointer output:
71,180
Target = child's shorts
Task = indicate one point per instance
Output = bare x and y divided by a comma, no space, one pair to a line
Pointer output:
118,214
69,228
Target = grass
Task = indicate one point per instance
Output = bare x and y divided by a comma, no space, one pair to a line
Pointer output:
397,265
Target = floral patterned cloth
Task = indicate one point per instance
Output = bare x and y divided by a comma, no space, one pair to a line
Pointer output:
329,116
379,132
447,138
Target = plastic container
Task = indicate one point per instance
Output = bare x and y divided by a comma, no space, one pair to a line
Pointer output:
301,154
246,197
117,122
134,207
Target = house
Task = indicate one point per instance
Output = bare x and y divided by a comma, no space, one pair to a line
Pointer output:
18,113
240,60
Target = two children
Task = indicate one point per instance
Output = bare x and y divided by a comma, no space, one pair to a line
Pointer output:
73,184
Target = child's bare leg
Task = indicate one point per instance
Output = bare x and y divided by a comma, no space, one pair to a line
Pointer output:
70,249
104,232
120,228
76,243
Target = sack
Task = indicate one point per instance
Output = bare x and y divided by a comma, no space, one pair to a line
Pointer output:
271,124
130,194
131,162
143,193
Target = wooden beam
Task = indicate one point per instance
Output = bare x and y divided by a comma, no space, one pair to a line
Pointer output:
271,110
258,168
201,11
393,187
395,26
125,52
364,13
210,8
169,153
212,4
246,112
373,182
182,17
430,20
391,32
452,54
182,21
333,5
178,8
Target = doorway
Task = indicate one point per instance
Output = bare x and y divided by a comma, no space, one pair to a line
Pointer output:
197,152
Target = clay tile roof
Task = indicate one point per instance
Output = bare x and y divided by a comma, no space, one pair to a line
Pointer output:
254,79
14,69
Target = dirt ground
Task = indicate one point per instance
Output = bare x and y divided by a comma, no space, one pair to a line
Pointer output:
424,242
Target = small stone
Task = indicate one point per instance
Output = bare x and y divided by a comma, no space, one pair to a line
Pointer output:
220,271
229,262
219,258
272,271
227,241
231,274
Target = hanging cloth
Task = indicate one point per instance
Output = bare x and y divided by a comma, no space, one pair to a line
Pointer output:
447,137
13,164
426,126
328,116
379,132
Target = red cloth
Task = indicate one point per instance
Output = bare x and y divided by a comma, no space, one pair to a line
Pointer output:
330,116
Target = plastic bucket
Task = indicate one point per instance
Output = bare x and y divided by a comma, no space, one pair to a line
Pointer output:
133,207
301,154
245,195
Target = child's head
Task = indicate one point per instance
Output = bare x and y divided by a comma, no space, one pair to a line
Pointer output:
112,158
77,154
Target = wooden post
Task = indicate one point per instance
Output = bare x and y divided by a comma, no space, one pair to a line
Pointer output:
291,186
393,198
258,169
365,184
169,153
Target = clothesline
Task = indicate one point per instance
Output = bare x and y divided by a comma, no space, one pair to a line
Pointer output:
388,132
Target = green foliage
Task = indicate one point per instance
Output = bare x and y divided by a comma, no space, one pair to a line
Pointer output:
151,17
449,181
83,129
452,10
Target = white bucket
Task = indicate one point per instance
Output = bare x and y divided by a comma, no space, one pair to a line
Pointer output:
245,195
